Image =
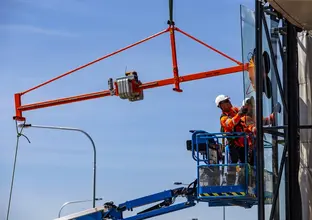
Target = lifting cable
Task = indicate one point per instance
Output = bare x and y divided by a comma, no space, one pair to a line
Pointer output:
19,134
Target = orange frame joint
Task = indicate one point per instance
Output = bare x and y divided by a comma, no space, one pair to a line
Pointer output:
18,113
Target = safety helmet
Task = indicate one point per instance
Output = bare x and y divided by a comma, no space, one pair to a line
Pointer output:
248,100
245,101
221,98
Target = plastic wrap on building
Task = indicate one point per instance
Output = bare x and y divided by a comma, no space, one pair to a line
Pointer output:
305,108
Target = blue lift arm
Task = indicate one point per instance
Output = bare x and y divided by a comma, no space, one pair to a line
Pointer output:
167,198
212,185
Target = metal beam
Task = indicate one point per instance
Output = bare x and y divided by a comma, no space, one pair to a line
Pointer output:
285,113
281,49
285,127
274,131
305,126
294,199
278,183
273,128
273,41
276,72
259,110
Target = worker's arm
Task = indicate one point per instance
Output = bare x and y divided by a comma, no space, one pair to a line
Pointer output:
250,128
249,124
228,123
253,130
268,120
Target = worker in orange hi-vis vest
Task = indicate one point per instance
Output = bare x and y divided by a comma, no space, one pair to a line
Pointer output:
249,117
250,121
231,121
250,126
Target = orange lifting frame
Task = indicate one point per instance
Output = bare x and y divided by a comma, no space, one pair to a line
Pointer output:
176,80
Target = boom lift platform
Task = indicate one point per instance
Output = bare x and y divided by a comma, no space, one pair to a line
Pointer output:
213,172
211,185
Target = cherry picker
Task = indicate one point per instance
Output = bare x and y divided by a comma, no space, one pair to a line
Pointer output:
211,185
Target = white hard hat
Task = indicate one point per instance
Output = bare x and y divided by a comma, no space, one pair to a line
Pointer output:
245,101
221,98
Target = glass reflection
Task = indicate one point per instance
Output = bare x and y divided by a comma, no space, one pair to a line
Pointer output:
272,110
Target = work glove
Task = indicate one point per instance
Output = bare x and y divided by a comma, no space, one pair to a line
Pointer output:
242,111
254,131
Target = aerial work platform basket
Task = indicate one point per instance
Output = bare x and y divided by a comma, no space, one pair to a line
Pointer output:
221,182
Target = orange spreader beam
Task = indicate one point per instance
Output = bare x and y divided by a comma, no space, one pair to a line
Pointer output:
176,80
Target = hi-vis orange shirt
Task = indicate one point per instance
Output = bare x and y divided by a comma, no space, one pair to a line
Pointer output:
230,119
249,126
231,122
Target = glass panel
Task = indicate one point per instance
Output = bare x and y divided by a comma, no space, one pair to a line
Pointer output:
270,94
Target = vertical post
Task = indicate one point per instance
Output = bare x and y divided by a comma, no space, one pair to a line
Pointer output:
285,118
294,199
274,39
18,102
173,49
259,111
93,148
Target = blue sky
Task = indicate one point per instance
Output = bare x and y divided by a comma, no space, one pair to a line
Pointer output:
140,146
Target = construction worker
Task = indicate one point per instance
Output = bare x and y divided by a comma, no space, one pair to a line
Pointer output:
249,118
249,121
250,127
230,121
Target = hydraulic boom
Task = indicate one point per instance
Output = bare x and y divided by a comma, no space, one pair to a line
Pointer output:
166,198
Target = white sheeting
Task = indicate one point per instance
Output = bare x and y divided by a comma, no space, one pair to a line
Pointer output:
297,12
305,108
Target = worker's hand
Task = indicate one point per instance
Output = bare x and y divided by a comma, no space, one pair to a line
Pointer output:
254,131
243,110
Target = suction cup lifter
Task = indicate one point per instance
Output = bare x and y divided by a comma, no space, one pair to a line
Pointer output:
127,87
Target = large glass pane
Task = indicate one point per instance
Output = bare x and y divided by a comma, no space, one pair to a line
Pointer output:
270,94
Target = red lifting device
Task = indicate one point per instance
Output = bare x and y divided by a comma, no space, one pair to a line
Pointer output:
130,87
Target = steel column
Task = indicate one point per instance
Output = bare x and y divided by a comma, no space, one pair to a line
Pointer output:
294,199
277,186
273,41
285,113
259,110
276,72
